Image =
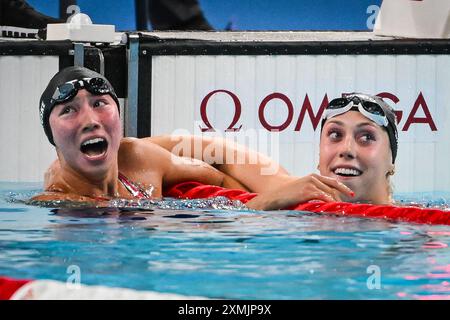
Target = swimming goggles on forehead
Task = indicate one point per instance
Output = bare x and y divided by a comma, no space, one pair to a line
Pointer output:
69,90
366,105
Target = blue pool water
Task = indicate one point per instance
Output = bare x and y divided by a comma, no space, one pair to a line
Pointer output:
216,253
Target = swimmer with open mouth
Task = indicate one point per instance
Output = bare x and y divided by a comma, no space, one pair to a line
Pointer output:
358,146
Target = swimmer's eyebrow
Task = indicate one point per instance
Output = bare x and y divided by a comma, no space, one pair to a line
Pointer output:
362,124
339,123
77,98
370,123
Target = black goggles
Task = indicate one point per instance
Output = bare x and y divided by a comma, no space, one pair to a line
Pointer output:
69,90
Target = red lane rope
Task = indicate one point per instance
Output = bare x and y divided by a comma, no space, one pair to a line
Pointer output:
9,286
196,190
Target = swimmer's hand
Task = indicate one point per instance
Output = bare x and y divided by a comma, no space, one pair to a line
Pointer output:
296,190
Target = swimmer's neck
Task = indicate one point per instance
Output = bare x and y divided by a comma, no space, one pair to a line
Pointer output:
384,197
103,185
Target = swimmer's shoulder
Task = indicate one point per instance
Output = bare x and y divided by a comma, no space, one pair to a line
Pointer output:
130,144
136,152
48,196
58,191
129,150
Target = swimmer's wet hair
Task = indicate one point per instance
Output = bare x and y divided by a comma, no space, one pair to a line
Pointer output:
46,104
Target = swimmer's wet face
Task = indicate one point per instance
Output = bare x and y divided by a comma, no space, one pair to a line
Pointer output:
65,85
87,131
356,151
373,108
79,112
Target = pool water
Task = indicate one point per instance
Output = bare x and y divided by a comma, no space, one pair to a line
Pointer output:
233,254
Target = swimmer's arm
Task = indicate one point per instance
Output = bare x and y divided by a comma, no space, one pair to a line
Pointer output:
185,169
255,171
172,169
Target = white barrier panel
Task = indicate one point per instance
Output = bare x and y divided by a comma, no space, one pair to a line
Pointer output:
287,92
26,152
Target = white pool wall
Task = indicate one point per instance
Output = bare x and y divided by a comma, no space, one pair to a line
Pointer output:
25,151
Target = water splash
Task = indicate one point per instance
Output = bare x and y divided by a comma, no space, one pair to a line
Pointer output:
432,200
218,203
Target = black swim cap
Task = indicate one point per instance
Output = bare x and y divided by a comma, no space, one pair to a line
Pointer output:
47,102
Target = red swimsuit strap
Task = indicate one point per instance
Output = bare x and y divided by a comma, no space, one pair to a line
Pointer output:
133,188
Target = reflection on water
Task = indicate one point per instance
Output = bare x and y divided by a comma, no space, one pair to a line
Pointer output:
217,248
